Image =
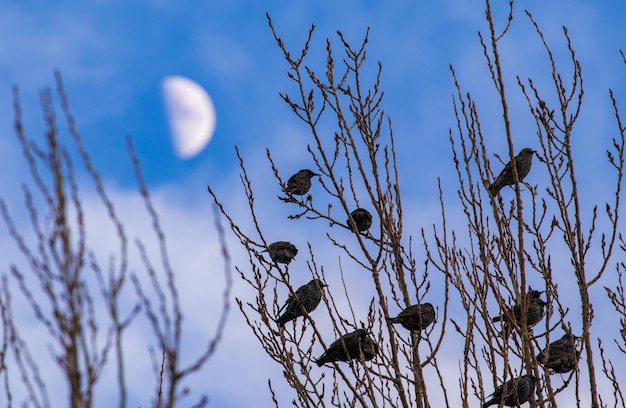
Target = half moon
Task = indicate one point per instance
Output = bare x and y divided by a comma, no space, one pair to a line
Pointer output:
190,113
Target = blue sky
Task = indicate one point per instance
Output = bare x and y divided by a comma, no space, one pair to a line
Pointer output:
114,54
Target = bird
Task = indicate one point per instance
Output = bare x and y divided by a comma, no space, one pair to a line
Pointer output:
523,162
282,251
300,183
348,347
535,312
513,393
561,356
369,348
415,317
362,220
307,296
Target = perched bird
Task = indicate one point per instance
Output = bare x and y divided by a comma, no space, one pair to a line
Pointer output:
535,312
350,346
362,219
415,317
561,356
282,251
307,296
300,183
513,393
523,162
369,348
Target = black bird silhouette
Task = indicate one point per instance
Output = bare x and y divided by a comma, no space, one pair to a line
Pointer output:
523,162
513,393
307,296
300,183
282,251
561,356
348,347
362,219
536,311
415,317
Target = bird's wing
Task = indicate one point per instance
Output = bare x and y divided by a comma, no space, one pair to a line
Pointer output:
410,311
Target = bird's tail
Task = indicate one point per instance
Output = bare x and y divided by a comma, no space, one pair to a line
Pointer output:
494,189
394,320
282,320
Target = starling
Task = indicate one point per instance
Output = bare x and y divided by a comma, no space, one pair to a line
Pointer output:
362,219
523,162
369,348
356,343
300,183
513,393
536,311
561,356
307,296
282,251
416,317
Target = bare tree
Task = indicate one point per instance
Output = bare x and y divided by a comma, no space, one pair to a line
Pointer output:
499,265
66,285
